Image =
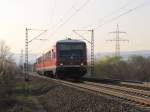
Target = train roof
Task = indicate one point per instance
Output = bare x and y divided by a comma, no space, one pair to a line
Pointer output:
70,40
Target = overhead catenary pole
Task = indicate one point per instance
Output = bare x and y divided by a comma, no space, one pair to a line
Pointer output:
92,52
26,65
26,57
92,46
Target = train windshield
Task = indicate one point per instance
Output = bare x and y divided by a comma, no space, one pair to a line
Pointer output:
72,51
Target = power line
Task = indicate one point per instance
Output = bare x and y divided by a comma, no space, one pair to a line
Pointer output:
64,22
66,13
38,35
117,17
111,13
122,14
53,11
112,19
70,17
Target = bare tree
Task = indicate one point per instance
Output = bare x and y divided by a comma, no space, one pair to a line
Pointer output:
7,72
5,57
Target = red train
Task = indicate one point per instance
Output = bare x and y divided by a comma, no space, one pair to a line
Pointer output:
67,59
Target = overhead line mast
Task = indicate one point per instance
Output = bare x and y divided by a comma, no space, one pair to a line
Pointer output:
26,57
26,67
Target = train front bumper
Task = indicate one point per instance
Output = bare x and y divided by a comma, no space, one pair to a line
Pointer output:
72,69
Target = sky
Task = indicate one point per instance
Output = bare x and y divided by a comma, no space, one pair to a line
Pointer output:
60,17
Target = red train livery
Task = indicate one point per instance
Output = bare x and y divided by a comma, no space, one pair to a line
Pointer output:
67,59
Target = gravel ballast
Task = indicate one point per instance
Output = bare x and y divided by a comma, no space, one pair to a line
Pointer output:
55,97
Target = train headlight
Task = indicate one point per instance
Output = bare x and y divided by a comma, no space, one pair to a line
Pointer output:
61,64
82,64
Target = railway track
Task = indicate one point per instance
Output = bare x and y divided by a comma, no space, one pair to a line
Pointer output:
144,86
135,96
132,91
137,99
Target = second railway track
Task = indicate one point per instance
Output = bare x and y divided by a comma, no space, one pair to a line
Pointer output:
136,96
129,90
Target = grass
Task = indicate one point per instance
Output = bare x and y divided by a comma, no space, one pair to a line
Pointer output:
20,100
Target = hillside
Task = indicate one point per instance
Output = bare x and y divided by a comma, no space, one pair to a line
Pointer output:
145,53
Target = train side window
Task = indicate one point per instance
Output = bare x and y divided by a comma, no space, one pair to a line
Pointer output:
43,57
38,60
46,56
54,54
49,54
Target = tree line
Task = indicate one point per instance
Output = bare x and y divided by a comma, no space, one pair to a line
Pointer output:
135,68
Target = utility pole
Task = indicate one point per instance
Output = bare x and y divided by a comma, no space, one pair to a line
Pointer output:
118,40
26,66
92,46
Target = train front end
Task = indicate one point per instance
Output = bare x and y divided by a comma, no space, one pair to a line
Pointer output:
71,58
